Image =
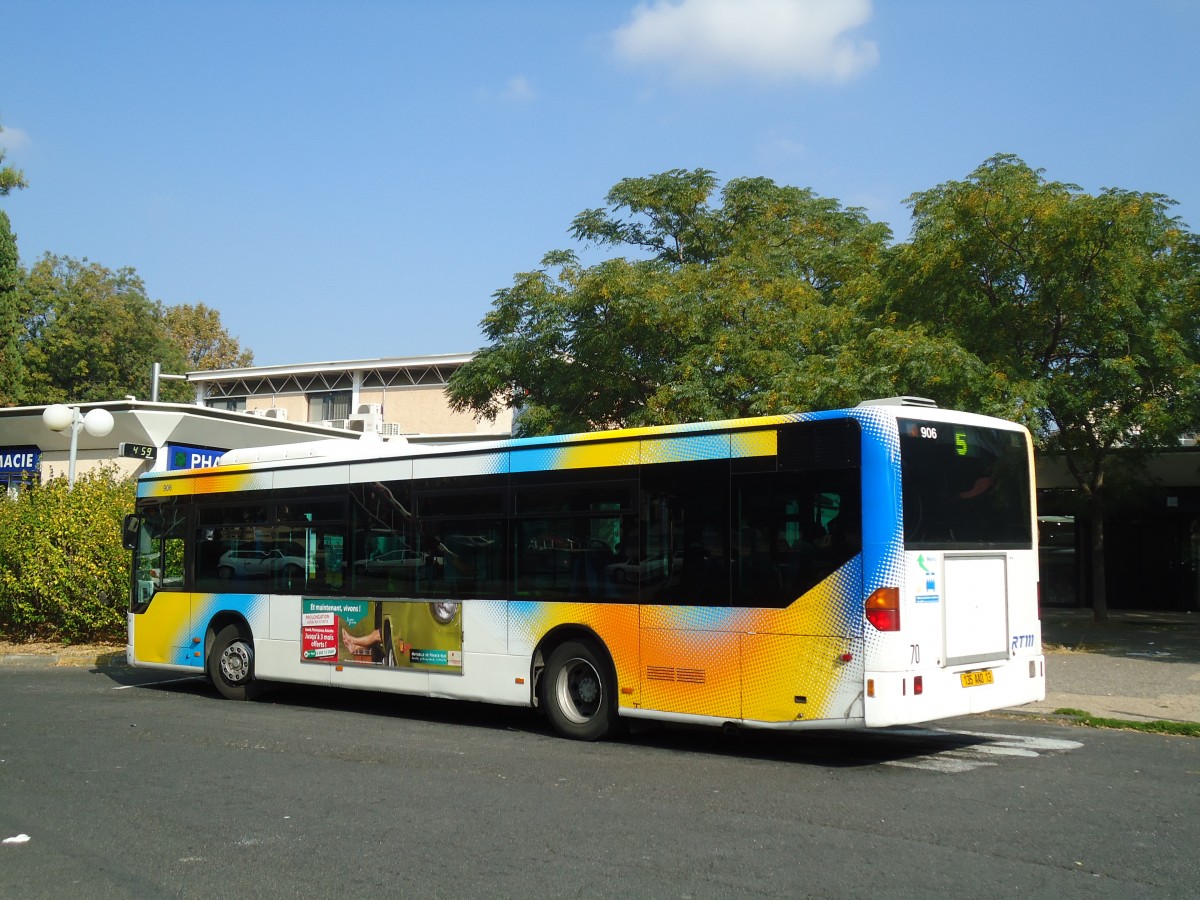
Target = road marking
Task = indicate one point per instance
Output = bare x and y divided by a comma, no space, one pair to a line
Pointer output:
938,764
954,760
1048,745
999,750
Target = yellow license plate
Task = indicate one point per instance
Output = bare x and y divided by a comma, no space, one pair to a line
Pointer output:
974,679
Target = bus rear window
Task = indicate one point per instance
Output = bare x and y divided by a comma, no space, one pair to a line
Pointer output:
964,487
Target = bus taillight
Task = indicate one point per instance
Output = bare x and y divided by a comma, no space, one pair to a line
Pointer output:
883,609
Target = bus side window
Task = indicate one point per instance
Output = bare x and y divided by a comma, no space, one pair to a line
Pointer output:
685,552
792,529
574,537
307,549
381,558
307,557
462,557
231,544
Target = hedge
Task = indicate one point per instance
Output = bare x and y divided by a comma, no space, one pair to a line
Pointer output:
63,573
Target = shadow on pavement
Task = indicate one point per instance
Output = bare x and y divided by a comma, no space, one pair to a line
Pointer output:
1161,636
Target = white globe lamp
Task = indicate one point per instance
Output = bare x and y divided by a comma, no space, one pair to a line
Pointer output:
98,422
60,417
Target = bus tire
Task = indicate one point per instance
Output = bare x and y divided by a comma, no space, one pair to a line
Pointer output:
231,664
578,692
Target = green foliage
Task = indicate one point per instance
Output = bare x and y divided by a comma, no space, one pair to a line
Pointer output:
1156,726
12,367
84,332
678,225
93,334
1086,304
197,332
750,307
63,573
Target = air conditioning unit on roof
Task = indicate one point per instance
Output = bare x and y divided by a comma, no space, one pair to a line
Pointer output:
334,423
276,412
366,421
370,409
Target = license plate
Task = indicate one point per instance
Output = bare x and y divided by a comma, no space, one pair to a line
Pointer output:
974,679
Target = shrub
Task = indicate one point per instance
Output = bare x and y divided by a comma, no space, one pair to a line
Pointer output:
63,573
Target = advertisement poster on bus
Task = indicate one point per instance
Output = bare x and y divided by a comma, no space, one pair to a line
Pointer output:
401,634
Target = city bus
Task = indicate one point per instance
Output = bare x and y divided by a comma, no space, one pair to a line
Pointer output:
840,569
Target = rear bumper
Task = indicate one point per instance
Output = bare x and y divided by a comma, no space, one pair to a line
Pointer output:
896,700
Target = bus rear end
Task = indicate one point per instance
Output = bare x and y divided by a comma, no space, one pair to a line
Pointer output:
955,627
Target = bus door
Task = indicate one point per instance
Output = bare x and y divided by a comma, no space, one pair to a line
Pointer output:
160,620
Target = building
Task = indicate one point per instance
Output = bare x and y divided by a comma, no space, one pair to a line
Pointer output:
394,396
1151,535
145,436
251,407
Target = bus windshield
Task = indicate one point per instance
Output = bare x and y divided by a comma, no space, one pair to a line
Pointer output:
964,487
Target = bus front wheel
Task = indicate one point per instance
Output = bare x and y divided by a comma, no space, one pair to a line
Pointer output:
579,692
231,664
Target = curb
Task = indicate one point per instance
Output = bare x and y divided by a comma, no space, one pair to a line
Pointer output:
1052,714
106,660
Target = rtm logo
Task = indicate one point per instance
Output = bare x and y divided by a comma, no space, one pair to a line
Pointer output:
1022,641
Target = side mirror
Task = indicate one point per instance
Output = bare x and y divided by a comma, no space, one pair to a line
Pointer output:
130,531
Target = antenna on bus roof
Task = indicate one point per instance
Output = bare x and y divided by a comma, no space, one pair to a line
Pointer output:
901,401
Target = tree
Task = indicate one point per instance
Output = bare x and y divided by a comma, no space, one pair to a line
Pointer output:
749,307
1084,306
204,342
91,333
12,369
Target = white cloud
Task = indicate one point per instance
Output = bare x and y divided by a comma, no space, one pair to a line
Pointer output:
13,138
710,40
518,89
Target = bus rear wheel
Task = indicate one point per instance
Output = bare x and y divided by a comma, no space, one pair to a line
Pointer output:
578,692
231,664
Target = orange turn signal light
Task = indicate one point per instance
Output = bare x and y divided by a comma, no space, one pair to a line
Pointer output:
883,608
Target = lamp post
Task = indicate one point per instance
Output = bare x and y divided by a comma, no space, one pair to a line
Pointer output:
60,417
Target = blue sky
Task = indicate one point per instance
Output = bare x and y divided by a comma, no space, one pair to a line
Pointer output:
355,179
